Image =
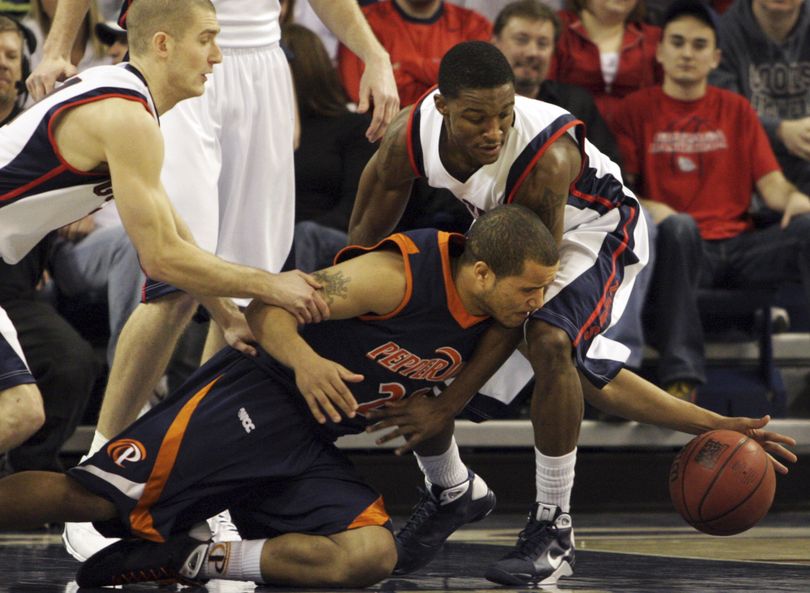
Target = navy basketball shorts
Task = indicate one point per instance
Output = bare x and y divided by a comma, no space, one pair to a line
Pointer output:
13,368
599,262
232,437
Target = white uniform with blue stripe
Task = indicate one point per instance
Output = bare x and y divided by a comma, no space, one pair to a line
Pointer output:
604,243
39,190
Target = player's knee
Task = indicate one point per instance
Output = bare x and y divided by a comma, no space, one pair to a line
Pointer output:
23,410
371,562
547,343
177,307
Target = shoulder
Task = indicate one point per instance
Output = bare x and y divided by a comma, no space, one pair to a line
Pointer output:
394,144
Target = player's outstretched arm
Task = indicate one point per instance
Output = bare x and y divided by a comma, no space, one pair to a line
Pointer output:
377,86
371,283
384,188
635,398
122,134
55,64
419,419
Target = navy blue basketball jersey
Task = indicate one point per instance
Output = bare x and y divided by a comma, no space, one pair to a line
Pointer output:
422,343
39,190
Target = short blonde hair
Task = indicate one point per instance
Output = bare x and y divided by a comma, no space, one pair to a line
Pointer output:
147,17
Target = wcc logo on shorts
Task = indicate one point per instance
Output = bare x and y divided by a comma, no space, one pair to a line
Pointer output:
126,451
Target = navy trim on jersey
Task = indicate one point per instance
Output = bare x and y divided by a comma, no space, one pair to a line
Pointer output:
590,191
534,150
38,168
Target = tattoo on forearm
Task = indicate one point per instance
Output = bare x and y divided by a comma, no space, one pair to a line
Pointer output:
335,284
551,200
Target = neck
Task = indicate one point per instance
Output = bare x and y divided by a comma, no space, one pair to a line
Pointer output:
778,26
684,92
159,87
605,26
419,11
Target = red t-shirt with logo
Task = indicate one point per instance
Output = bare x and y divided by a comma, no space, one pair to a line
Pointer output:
700,157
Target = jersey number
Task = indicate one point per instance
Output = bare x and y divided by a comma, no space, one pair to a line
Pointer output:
390,392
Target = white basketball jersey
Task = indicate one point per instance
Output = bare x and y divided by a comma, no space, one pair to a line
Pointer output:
536,126
39,191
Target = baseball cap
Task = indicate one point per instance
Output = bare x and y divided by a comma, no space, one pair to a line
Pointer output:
696,8
109,32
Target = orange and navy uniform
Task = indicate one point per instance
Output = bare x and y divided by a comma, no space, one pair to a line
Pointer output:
238,434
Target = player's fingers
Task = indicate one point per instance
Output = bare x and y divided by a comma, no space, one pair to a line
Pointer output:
340,395
302,315
389,436
784,453
321,306
374,131
779,467
326,405
244,348
310,279
314,409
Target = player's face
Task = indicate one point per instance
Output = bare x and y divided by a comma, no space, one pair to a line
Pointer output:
529,46
510,300
196,52
688,51
10,65
477,123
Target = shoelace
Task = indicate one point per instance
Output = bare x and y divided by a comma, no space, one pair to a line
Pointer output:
140,576
422,511
534,537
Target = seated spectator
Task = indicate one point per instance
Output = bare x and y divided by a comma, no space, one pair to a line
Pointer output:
696,153
765,57
605,48
416,34
526,32
13,67
332,151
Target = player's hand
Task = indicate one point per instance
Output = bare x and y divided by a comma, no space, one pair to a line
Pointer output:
416,418
773,442
298,293
78,230
322,382
377,86
795,135
47,73
238,334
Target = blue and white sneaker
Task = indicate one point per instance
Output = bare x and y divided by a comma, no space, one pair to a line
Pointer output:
439,513
544,551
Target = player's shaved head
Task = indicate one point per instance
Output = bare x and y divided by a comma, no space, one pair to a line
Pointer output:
506,237
147,17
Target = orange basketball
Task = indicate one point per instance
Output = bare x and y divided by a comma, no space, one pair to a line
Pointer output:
722,482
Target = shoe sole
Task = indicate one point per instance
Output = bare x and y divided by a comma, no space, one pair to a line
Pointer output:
497,575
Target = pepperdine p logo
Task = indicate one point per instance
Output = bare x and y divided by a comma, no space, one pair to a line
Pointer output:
126,451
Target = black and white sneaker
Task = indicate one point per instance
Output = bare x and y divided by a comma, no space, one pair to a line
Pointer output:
178,560
544,551
439,512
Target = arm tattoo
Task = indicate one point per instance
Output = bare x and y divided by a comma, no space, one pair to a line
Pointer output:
335,284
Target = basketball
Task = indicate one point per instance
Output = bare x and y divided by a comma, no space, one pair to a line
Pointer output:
722,482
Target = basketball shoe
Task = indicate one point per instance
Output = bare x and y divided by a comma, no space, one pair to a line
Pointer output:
439,512
544,551
178,560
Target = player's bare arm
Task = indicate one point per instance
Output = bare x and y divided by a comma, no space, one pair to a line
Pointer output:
121,135
419,419
384,188
373,283
55,64
635,398
377,86
545,191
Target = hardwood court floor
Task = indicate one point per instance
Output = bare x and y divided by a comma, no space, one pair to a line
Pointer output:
631,553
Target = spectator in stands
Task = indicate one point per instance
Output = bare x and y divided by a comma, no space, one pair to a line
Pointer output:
526,32
696,153
12,66
331,154
416,34
87,50
606,48
114,38
766,57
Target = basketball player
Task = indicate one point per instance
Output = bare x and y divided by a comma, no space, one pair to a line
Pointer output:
228,172
242,433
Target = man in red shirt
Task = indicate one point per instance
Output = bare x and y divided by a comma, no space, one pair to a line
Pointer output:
416,34
696,153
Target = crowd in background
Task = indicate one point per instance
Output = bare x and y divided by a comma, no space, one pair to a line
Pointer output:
600,59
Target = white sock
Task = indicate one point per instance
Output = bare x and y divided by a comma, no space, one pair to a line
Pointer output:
99,440
554,477
444,470
235,561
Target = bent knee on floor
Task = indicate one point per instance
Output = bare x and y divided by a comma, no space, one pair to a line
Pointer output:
370,561
22,409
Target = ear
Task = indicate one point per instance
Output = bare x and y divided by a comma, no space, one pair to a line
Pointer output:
441,104
483,274
161,43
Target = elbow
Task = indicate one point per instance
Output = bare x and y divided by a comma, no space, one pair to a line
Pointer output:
155,267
